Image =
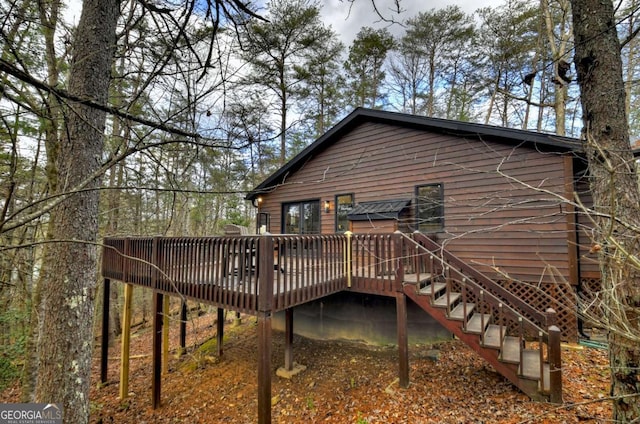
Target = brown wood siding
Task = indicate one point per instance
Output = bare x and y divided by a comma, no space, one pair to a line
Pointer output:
377,226
496,214
589,265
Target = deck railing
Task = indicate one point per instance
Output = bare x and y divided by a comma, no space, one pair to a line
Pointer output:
232,271
375,263
263,273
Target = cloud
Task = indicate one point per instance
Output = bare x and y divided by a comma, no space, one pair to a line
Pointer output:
347,17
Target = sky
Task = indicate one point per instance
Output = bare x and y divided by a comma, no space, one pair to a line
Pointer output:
346,18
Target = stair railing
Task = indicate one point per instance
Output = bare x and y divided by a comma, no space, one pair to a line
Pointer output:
439,254
490,294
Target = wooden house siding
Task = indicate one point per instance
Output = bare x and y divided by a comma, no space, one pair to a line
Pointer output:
501,211
589,264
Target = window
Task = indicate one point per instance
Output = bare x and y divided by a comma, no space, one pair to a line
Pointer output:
301,217
344,204
263,222
430,207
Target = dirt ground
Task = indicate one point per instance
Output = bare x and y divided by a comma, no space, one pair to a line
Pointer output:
343,383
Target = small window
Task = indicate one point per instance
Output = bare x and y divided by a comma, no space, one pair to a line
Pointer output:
344,205
430,208
301,217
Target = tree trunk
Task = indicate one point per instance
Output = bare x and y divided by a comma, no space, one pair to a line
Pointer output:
614,185
69,277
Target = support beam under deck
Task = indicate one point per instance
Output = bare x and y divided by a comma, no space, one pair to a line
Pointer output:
157,349
403,339
264,367
183,327
125,340
104,344
220,331
288,343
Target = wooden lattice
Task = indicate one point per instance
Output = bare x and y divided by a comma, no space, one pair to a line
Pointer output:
542,296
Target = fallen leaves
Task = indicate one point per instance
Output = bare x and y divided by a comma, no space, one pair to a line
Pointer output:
345,383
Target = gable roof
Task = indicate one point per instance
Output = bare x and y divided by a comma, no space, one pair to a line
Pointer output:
540,141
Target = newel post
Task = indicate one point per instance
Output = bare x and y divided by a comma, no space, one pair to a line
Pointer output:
555,357
551,316
265,306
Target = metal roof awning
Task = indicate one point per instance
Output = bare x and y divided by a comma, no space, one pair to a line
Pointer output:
382,209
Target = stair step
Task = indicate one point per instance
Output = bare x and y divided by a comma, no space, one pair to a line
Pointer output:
530,367
437,288
458,313
441,302
510,350
474,325
492,336
422,278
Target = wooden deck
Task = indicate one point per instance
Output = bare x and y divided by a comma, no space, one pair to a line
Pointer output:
264,274
232,272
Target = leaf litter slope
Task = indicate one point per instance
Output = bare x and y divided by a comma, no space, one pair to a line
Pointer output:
344,383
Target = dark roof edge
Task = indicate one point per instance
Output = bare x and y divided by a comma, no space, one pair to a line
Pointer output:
441,125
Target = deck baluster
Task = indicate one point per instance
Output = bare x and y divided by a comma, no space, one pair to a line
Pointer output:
481,307
447,272
541,353
502,324
463,284
521,341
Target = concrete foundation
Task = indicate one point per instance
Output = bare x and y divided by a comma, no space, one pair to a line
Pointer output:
285,373
363,318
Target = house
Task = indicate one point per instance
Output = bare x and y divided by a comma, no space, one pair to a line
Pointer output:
391,226
494,197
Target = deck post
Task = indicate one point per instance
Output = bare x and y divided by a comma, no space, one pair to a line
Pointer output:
125,341
157,349
401,313
220,330
265,305
555,365
288,339
165,335
125,338
403,339
555,356
104,344
183,327
264,367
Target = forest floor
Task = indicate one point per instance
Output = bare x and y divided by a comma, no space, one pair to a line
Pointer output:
344,382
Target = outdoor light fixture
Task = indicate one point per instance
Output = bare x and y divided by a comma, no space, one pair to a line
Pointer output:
327,206
257,200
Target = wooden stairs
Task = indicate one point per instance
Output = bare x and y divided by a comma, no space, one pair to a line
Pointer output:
477,311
